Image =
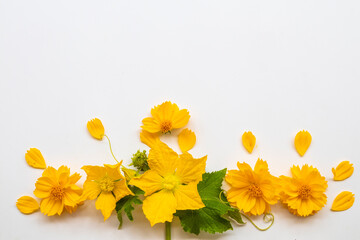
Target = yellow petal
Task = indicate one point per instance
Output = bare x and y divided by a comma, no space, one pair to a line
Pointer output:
160,207
302,142
70,209
248,140
343,201
51,207
91,190
186,140
148,138
121,190
106,203
344,170
187,197
151,125
181,118
162,159
149,182
27,205
96,128
190,169
35,159
129,173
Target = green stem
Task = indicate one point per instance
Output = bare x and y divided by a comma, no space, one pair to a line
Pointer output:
111,148
167,230
268,217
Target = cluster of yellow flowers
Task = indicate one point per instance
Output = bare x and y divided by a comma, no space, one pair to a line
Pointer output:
169,181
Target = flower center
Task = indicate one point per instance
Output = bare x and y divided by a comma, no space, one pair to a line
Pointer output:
106,184
57,193
255,191
166,126
304,192
170,182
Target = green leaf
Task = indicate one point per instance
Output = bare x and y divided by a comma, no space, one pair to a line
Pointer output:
127,203
235,215
210,218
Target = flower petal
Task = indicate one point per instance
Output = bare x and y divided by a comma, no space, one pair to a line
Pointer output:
121,190
43,187
181,118
51,207
248,140
162,159
160,207
96,128
190,169
106,203
94,172
35,159
91,190
302,142
151,125
27,205
343,201
187,197
149,182
343,171
186,140
148,138
113,171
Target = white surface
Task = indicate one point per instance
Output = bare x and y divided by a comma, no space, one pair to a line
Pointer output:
273,67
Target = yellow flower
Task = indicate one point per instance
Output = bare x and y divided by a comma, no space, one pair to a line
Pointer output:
304,193
129,173
34,158
252,191
343,201
96,128
165,117
27,205
343,171
302,142
148,138
186,140
170,184
57,190
106,184
248,140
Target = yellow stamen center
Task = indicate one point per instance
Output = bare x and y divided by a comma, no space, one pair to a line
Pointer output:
255,191
57,193
170,182
304,192
165,126
106,184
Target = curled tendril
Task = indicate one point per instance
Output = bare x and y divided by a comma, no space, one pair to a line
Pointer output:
268,217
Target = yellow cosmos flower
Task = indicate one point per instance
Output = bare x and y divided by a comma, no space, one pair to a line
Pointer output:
304,193
252,191
165,117
27,205
34,158
186,140
343,201
302,142
170,184
343,171
248,140
57,190
96,128
106,184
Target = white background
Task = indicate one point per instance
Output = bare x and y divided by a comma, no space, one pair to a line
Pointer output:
272,67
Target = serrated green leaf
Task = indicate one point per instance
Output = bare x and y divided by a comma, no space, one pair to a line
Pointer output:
210,218
235,215
127,203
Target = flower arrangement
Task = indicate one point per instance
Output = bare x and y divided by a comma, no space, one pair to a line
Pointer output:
168,184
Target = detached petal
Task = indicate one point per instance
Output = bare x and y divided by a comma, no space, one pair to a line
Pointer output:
150,139
27,205
186,140
96,128
160,207
343,201
190,169
35,159
343,171
106,203
248,140
187,197
302,142
162,159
